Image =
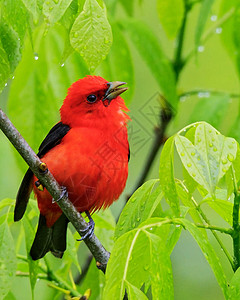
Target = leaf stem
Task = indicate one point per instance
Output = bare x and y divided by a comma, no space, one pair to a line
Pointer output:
213,227
196,92
222,246
236,227
49,275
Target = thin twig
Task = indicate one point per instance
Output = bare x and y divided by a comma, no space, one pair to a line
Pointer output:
216,228
235,216
93,243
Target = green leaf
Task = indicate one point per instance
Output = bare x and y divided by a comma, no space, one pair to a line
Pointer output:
17,16
208,161
128,6
11,44
10,296
139,207
209,254
202,19
229,31
91,33
4,67
70,254
166,175
212,109
55,9
32,265
134,293
171,14
140,256
8,261
6,202
32,7
234,287
150,49
221,204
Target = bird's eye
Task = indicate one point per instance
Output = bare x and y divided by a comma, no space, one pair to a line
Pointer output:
91,98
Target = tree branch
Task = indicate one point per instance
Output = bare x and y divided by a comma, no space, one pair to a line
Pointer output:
93,243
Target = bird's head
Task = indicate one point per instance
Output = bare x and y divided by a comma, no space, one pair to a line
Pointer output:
93,98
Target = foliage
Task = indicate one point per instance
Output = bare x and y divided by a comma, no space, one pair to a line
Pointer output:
47,45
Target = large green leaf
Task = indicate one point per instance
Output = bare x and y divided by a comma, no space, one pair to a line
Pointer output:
139,207
166,175
202,19
234,287
91,33
150,49
209,254
8,261
171,14
209,159
140,256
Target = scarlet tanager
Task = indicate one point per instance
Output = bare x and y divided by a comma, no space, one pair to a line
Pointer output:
87,152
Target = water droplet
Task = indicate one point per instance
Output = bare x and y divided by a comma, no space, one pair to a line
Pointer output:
103,56
75,34
5,84
106,41
51,8
218,30
146,267
81,53
183,98
133,199
189,165
138,219
134,225
121,228
201,48
122,223
230,157
85,47
215,149
193,174
193,153
210,131
199,140
150,228
224,161
224,170
178,225
182,154
213,18
13,77
55,1
36,56
62,65
210,144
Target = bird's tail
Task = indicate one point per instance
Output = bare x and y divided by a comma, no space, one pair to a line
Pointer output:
50,238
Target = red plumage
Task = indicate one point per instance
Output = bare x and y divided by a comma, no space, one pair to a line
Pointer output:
91,160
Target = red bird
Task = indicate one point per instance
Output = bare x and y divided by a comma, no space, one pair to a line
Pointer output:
87,152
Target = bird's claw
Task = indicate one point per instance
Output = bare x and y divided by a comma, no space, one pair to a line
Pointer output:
88,232
64,193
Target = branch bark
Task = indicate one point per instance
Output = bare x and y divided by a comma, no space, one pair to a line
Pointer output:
94,245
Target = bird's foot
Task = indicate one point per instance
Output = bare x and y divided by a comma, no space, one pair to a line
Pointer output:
64,193
88,232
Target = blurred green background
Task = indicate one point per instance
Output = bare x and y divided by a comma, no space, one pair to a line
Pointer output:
210,69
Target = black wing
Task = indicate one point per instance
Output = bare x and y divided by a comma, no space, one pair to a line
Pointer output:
53,138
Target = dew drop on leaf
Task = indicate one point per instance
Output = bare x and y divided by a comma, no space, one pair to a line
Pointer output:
182,154
189,165
230,157
210,145
224,161
193,153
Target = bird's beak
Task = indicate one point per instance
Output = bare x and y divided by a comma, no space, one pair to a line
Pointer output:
113,91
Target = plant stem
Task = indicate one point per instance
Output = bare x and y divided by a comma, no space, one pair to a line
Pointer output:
236,227
47,179
212,227
49,276
196,92
222,246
